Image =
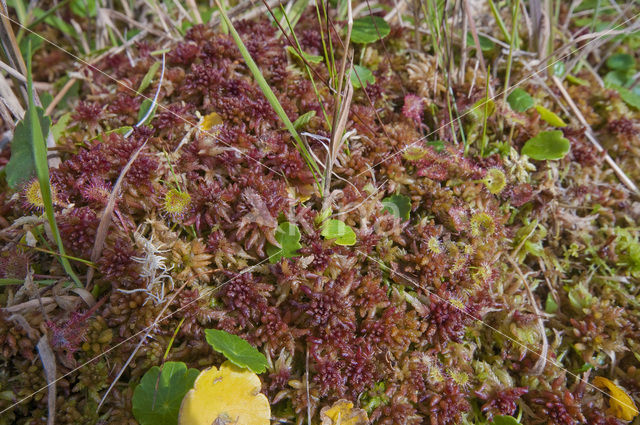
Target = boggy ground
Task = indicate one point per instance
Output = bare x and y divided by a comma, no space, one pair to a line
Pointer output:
424,320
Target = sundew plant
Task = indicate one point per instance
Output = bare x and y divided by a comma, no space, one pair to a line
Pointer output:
320,212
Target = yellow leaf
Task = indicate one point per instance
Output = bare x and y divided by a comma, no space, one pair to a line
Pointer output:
212,121
230,395
550,117
343,413
620,404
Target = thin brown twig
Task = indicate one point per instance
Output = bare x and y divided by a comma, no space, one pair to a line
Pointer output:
105,221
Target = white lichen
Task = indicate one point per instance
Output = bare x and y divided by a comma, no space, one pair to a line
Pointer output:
154,270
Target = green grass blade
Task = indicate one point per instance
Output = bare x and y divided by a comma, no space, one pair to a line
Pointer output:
269,94
496,15
42,170
307,69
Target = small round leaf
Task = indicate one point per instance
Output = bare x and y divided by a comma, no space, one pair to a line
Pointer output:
621,61
361,74
546,145
156,399
519,100
398,205
340,232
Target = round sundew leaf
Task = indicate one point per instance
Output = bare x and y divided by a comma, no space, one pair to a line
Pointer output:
550,117
236,350
398,205
369,29
365,76
156,399
546,145
288,235
340,232
621,61
519,100
414,153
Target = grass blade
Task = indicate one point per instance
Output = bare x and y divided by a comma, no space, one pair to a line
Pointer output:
42,170
270,95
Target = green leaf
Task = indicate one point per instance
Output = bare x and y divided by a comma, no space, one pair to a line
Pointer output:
398,205
576,80
157,398
307,56
38,133
56,22
486,45
84,8
10,281
237,350
631,98
504,420
148,77
550,305
144,108
620,78
365,76
579,296
369,29
519,100
621,61
559,68
477,109
550,117
587,5
338,230
22,165
36,43
45,99
546,145
585,367
303,119
437,145
59,127
288,236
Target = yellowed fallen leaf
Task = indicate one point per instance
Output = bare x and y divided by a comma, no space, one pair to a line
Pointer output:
211,122
620,404
343,413
229,395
